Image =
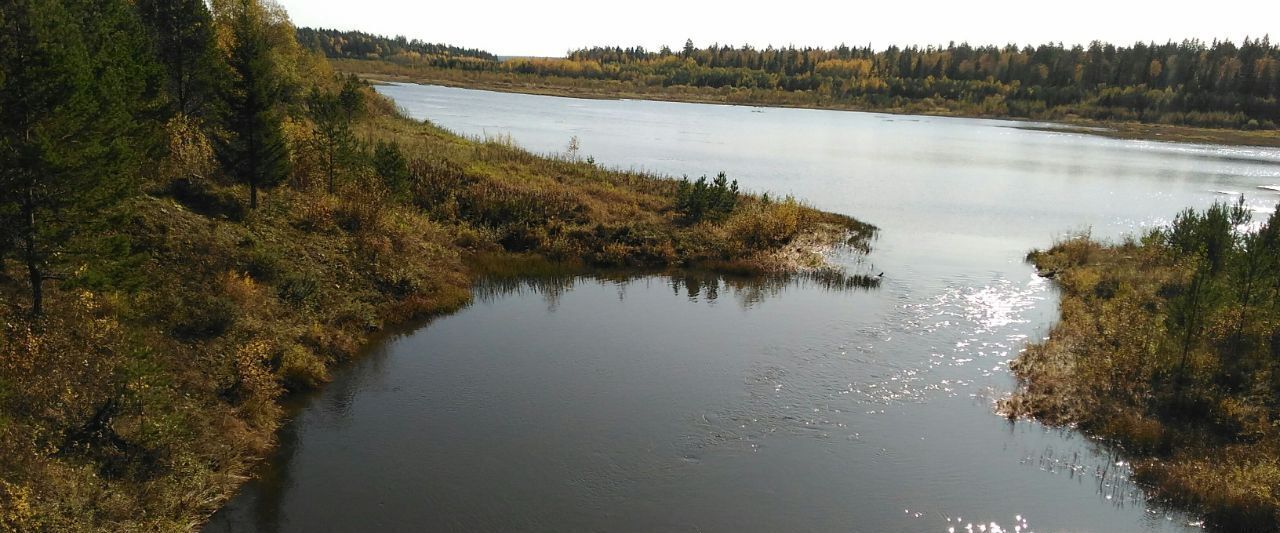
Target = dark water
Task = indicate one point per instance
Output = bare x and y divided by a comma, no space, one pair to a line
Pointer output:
695,403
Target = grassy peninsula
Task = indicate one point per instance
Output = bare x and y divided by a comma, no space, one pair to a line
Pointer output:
1169,347
199,217
1190,91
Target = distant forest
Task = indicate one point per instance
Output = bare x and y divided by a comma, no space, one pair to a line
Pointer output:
360,45
1219,84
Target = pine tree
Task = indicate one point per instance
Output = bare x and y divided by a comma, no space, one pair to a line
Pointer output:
332,135
72,85
254,149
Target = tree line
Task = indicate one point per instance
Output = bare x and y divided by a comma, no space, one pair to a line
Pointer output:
1190,82
359,45
1217,84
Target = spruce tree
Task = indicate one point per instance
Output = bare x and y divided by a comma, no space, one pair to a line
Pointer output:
72,87
182,37
390,163
254,149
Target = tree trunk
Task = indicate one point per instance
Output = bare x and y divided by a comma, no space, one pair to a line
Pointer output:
31,255
253,171
330,157
37,289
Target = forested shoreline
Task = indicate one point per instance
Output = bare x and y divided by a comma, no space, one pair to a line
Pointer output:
198,216
1168,347
1189,83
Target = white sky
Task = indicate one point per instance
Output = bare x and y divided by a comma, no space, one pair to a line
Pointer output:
552,27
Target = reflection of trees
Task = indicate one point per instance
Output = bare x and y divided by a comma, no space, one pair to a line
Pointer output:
261,502
696,285
551,287
752,290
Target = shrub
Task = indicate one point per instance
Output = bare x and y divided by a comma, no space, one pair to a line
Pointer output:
769,225
297,289
361,209
15,508
434,180
190,154
264,263
301,369
203,316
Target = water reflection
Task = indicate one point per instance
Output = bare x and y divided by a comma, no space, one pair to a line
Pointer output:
696,285
640,403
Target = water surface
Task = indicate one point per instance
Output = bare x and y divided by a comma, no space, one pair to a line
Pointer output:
690,402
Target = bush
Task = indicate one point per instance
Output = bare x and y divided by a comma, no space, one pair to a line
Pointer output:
203,316
264,263
301,369
361,209
297,289
768,225
435,181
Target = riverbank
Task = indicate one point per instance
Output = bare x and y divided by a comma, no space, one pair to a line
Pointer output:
379,71
207,314
1165,348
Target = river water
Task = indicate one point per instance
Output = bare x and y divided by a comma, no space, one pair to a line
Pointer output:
690,402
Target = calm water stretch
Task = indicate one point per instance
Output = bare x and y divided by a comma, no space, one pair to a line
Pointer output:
694,403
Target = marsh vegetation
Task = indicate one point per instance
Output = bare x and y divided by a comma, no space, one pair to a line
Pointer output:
1168,346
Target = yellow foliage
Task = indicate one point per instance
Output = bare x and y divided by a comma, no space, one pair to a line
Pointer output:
251,367
844,68
761,225
242,289
301,368
190,152
16,513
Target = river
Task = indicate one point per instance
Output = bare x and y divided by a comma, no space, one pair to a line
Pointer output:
690,402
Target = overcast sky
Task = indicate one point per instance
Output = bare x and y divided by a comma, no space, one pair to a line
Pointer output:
551,27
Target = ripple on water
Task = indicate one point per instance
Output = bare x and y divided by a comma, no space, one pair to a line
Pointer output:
813,390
